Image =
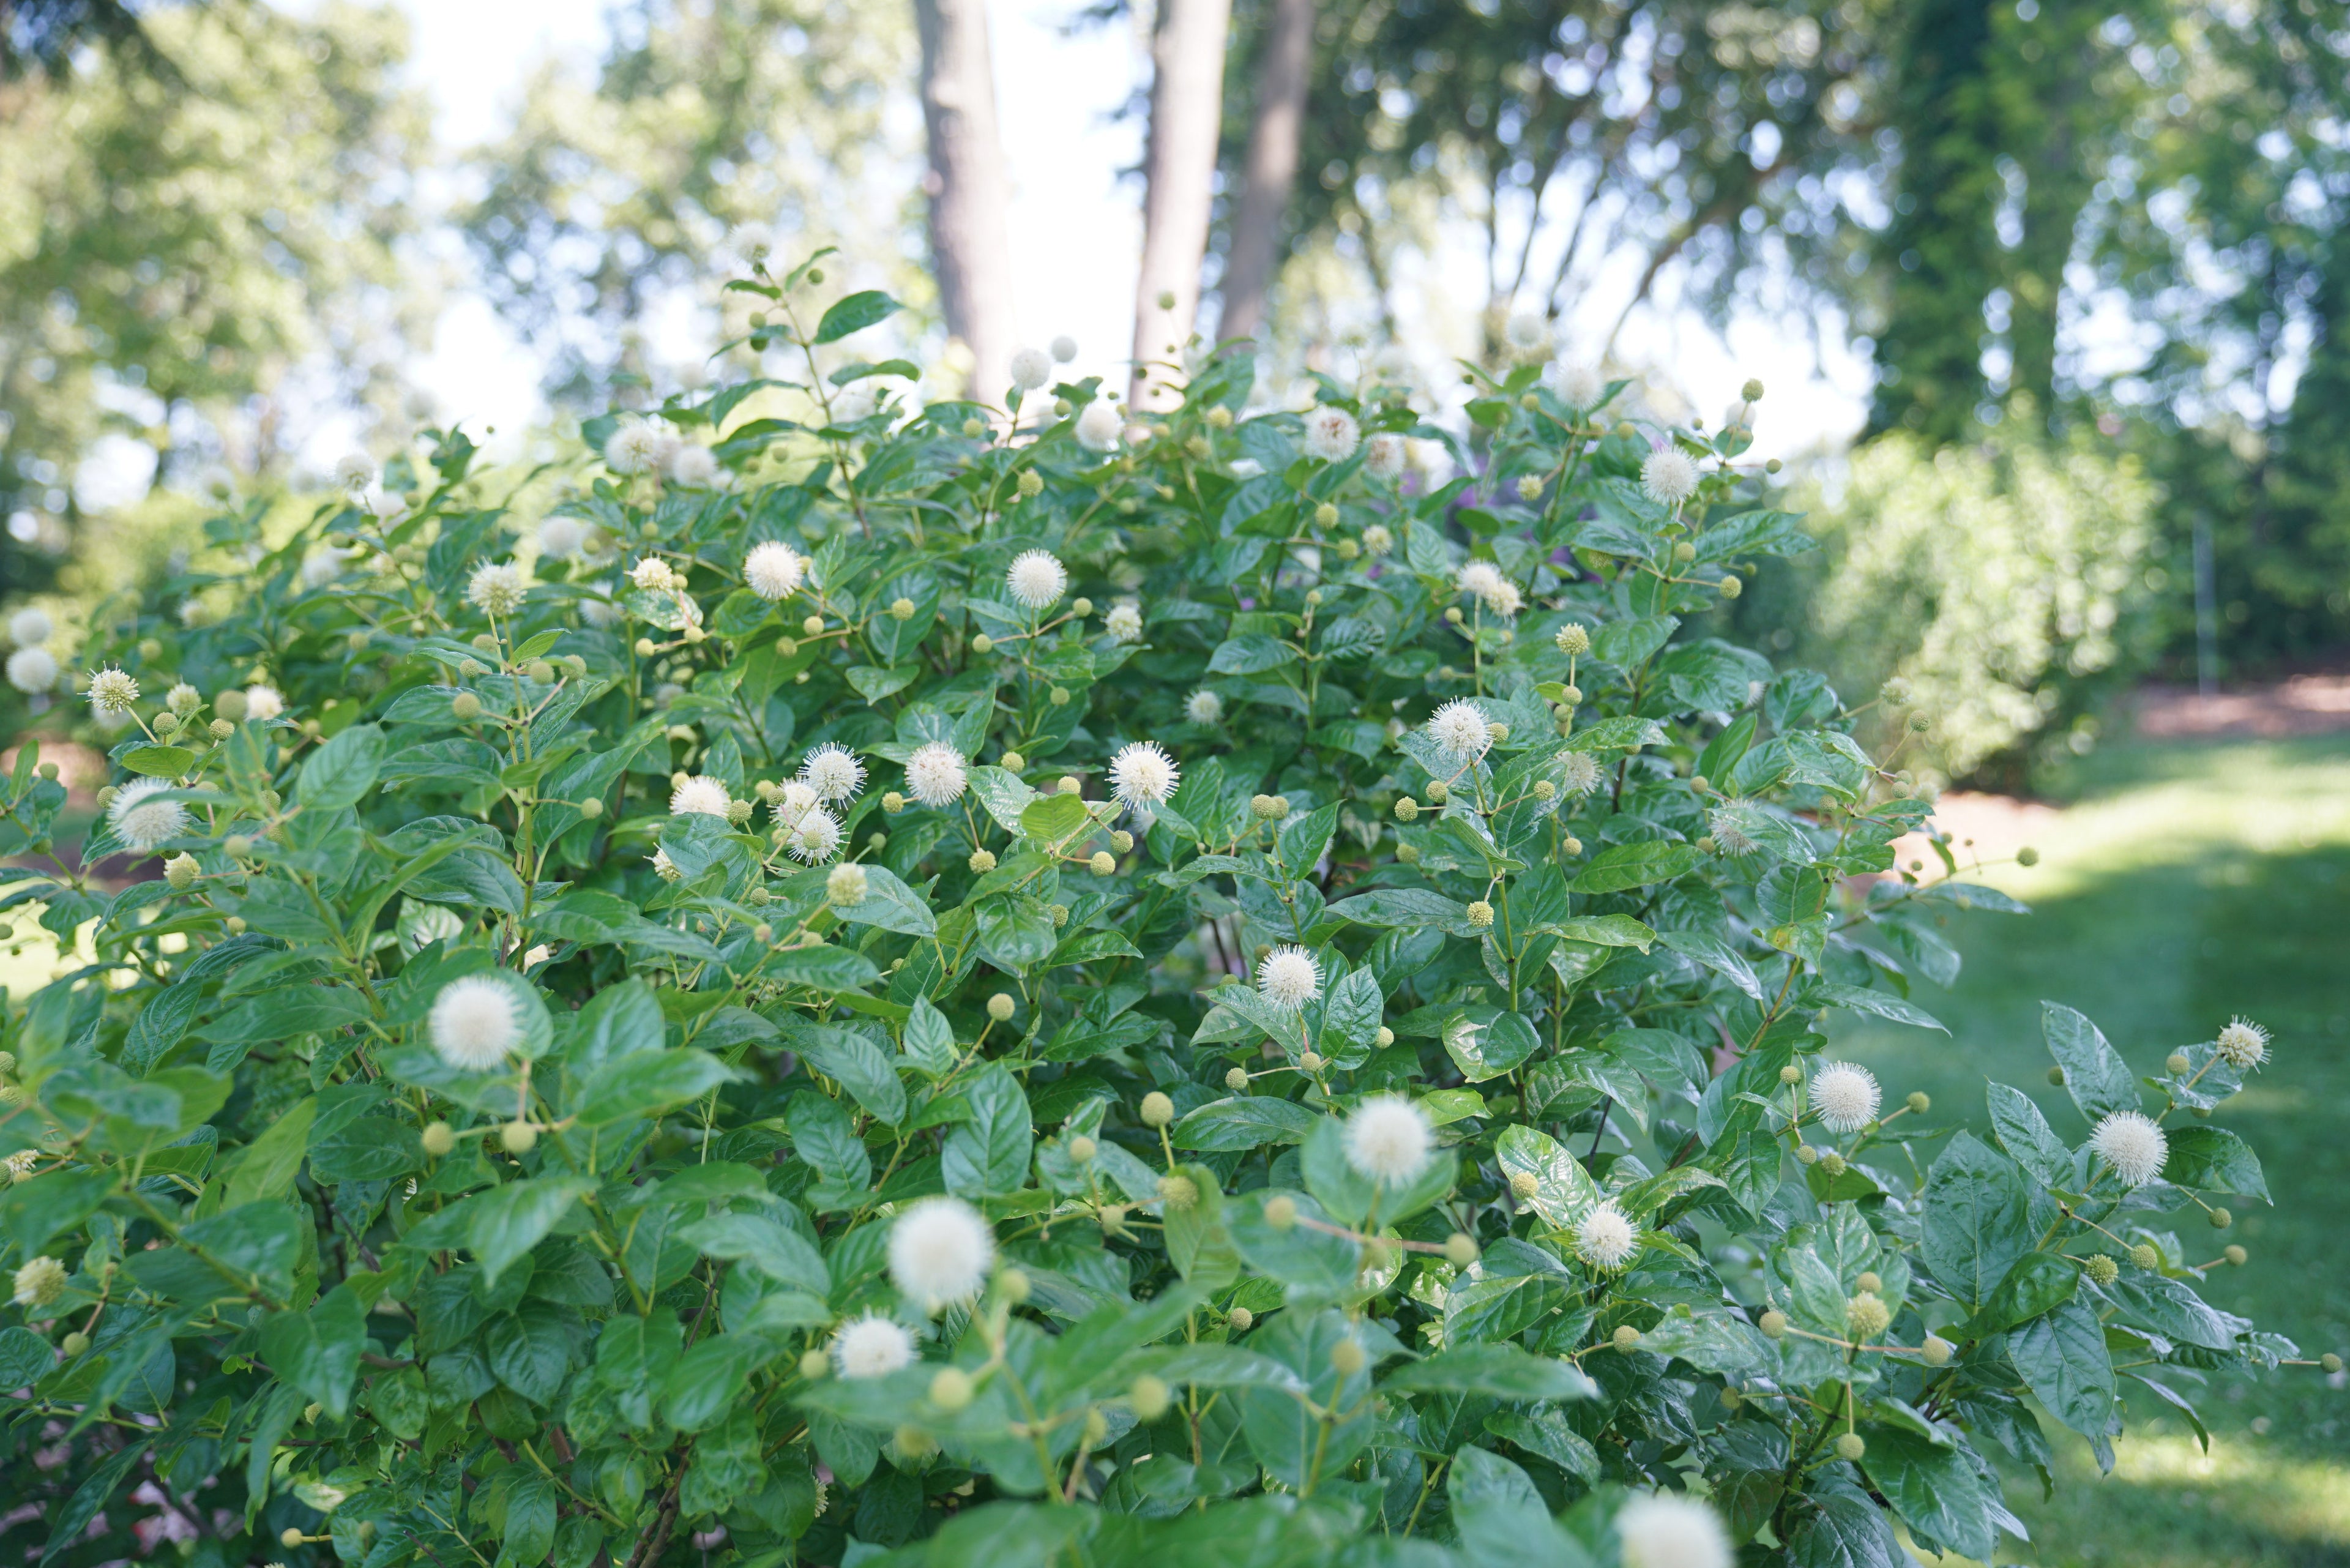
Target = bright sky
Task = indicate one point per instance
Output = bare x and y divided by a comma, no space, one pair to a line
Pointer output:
1075,225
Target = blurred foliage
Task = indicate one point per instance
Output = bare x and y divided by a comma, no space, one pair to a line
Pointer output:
708,129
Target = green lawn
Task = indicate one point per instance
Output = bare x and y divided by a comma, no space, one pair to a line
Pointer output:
2181,884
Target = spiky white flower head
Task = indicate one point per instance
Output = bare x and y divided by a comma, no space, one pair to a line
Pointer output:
1580,387
936,774
1483,581
1605,1238
1665,1530
1037,578
141,823
774,570
635,448
560,538
1123,622
1846,1097
1526,332
815,838
655,575
475,1022
2243,1044
792,802
1377,539
113,690
601,613
1579,772
703,795
263,704
1670,476
1031,368
39,1282
354,471
1064,349
872,1347
693,465
1331,434
853,405
183,699
20,1164
1204,708
665,869
32,669
1289,977
497,587
2132,1145
31,627
1461,728
1384,459
1732,830
1389,1139
833,771
940,1249
1099,426
1143,775
847,885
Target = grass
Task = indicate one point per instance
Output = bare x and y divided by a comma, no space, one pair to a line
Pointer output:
2181,884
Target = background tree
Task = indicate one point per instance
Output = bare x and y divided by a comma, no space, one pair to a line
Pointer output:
1269,165
1187,57
971,248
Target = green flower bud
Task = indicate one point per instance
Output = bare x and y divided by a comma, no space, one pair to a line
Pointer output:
1149,1397
951,1388
2145,1256
1346,1357
1158,1110
1000,1005
439,1139
1243,1320
1460,1248
1625,1338
1850,1446
1281,1211
1082,1149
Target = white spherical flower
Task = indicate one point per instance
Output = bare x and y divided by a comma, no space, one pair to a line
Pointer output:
847,885
1605,1238
32,669
1037,578
560,538
936,774
1459,727
1579,772
693,465
2244,1044
815,838
833,771
1143,775
1289,977
1732,830
1670,476
655,575
1031,368
635,448
940,1249
704,797
1664,1530
263,704
39,1282
497,587
2132,1145
792,802
872,1347
773,571
475,1022
1099,425
601,613
1384,459
1845,1094
750,244
1378,540
1389,1139
1483,581
1526,332
354,471
665,869
113,690
1123,622
1204,708
141,823
1331,434
30,627
1581,387
1064,349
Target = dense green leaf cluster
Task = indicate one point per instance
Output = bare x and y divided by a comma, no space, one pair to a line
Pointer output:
724,1041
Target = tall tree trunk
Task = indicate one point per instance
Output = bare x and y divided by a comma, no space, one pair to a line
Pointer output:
1187,100
970,243
1271,167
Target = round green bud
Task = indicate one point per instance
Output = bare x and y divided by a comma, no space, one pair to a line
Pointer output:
1241,1319
1868,1281
221,729
465,707
1179,1192
1850,1446
540,670
1104,863
1407,853
1149,1397
893,802
2236,1256
1730,588
2100,1269
2177,1062
1281,1211
1000,1006
2145,1256
2220,1219
1237,1080
439,1139
1325,515
2056,1076
1545,790
1625,1338
181,872
1311,1061
1058,696
2027,856
1791,1073
238,846
813,1365
2329,1362
1455,616
74,1344
1122,841
901,608
1808,1154
974,428
1031,484
1060,913
1387,1036
1082,1149
1346,1357
1773,1324
1012,762
1685,551
951,1388
1081,606
983,643
983,860
1920,1102
1068,784
518,1136
646,647
591,808
1460,1248
166,723
289,1536
1937,1350
1833,1163
1014,1285
1158,1110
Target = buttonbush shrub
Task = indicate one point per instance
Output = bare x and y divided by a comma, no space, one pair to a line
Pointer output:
1023,986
